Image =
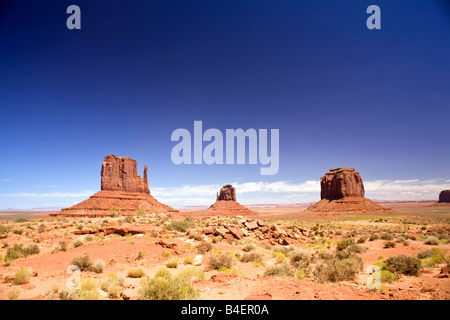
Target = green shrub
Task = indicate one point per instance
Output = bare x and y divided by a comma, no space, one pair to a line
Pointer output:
14,294
172,264
403,265
18,251
362,239
163,273
88,290
373,237
191,273
344,243
22,276
138,272
181,225
112,285
282,249
163,288
83,262
188,260
387,276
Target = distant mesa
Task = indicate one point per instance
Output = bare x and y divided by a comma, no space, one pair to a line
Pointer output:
226,205
227,193
122,190
342,190
444,196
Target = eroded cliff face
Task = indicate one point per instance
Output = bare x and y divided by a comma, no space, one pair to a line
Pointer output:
227,193
444,196
340,183
120,174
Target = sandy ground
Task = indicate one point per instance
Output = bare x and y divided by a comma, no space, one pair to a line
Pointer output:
245,280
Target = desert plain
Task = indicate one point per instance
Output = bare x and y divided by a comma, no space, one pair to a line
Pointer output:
326,258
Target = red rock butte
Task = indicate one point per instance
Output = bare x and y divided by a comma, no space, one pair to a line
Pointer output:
122,189
342,190
444,196
226,205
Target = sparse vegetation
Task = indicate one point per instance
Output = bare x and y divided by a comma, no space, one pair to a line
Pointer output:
218,260
403,265
138,272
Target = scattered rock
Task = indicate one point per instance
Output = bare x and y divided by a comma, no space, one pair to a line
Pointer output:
198,260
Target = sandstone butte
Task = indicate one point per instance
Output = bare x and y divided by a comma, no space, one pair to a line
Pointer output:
226,205
444,196
342,190
122,189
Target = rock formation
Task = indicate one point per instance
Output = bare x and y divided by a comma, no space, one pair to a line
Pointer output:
120,174
444,196
122,191
342,190
226,204
227,193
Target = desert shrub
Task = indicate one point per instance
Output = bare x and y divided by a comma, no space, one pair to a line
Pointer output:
191,274
83,262
282,249
425,254
204,247
62,246
251,256
188,260
373,237
432,240
400,239
68,295
167,288
280,270
77,243
163,273
403,265
362,239
14,294
112,284
300,259
3,232
354,248
172,264
249,247
279,256
18,251
41,228
98,266
138,272
389,244
387,276
88,290
141,212
217,239
386,236
218,260
344,243
325,256
129,219
336,270
22,276
181,225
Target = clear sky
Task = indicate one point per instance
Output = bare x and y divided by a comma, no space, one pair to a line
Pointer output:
340,94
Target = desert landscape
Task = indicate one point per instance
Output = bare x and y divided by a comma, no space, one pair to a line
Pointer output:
122,244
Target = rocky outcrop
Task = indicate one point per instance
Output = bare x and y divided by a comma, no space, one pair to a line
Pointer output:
227,193
340,183
342,190
444,196
123,191
120,174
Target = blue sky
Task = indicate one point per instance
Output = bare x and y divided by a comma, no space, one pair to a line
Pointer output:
340,94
